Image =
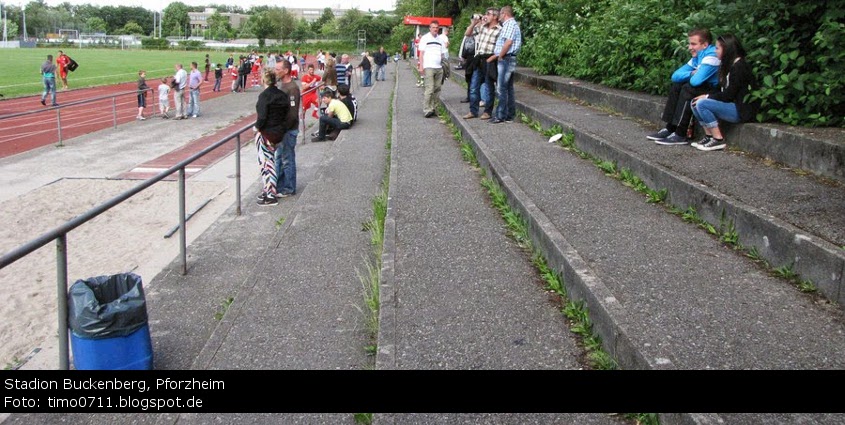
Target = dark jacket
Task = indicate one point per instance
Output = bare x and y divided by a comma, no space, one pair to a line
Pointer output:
245,68
736,88
365,64
380,58
272,109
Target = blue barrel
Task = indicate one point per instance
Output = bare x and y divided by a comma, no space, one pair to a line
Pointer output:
130,352
107,316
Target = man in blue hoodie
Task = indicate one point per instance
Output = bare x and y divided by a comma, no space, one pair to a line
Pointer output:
698,76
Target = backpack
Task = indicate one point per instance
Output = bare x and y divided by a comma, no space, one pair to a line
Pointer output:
468,49
72,65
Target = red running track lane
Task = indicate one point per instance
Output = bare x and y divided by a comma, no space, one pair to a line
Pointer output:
153,167
32,131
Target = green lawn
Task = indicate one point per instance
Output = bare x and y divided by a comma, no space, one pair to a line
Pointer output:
20,68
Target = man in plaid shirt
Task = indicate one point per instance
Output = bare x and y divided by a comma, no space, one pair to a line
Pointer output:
507,47
486,32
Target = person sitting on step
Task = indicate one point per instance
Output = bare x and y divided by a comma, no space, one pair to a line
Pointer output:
337,118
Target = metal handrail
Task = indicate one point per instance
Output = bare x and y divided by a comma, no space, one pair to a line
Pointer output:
59,234
59,108
67,105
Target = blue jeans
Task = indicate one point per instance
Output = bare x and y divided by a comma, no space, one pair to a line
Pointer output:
49,88
708,112
286,163
504,89
194,102
217,84
380,72
478,85
368,74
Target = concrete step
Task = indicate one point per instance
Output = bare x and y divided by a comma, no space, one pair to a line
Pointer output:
791,219
818,150
663,293
457,291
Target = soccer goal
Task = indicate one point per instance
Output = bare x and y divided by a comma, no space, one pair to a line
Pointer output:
71,35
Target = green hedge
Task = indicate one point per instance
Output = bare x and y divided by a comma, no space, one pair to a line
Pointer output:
155,43
797,49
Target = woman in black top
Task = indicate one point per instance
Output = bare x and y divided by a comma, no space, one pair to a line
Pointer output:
735,79
272,109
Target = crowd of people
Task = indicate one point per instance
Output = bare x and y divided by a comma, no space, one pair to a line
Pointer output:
710,87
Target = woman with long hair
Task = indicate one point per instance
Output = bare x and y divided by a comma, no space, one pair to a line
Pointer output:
728,104
272,109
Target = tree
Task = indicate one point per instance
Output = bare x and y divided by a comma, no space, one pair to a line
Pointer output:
12,30
218,25
287,23
132,27
96,24
263,27
175,20
326,17
302,32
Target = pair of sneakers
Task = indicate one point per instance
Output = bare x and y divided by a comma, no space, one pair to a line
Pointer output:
265,199
709,143
668,138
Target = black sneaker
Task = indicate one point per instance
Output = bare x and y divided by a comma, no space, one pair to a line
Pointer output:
673,140
703,141
43,102
261,196
660,135
268,200
429,114
712,145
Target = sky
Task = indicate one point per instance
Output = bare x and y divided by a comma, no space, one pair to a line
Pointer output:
161,4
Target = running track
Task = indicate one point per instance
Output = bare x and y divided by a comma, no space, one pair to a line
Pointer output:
24,133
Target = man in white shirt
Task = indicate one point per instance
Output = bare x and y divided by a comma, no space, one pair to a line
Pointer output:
432,50
180,80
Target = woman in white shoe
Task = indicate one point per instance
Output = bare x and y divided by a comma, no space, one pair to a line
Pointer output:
728,104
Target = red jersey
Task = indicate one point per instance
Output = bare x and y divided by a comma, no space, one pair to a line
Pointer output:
310,81
63,60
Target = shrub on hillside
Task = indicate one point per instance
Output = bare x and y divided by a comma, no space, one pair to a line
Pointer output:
797,49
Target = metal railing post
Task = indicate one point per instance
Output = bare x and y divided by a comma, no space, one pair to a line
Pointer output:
59,124
114,110
183,240
238,173
61,288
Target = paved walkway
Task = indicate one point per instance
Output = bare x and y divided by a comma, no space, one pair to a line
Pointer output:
460,294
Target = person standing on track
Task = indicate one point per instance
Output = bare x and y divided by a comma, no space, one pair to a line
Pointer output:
48,77
163,99
207,66
63,61
194,84
180,81
142,94
218,77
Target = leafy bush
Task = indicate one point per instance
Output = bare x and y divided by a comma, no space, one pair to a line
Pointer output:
797,49
155,43
191,45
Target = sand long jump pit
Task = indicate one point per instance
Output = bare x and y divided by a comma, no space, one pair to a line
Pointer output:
128,237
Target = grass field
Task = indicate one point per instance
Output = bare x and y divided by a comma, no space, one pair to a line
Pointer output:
20,68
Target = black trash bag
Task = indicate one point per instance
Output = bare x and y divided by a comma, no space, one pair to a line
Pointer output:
107,306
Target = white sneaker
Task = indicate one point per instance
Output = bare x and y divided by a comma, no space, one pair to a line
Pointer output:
194,116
